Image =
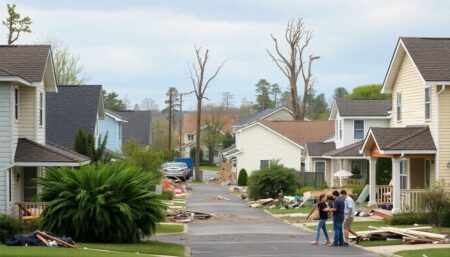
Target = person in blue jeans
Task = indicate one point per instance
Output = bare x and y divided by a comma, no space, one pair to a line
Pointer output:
323,216
338,219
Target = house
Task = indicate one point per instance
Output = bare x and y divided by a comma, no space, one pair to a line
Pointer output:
277,113
316,162
138,127
112,127
265,140
353,118
418,140
26,75
72,108
222,122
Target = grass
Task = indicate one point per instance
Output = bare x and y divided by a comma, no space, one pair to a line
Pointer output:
213,168
289,211
169,228
381,243
147,247
427,252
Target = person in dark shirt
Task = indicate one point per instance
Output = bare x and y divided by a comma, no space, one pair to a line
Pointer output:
338,219
323,216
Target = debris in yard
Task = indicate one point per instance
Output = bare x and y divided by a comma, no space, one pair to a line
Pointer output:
244,196
219,197
40,238
413,235
185,216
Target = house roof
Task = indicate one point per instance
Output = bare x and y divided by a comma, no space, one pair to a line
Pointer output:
138,127
25,61
253,117
363,107
319,148
351,150
115,115
402,139
72,108
302,132
30,152
190,121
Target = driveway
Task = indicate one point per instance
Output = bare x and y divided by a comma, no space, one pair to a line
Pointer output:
240,231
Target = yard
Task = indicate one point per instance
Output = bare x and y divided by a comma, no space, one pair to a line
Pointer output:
304,210
425,252
122,250
164,228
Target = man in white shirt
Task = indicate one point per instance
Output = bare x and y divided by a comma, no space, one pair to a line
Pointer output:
349,213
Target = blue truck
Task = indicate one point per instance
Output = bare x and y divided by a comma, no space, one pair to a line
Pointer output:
189,162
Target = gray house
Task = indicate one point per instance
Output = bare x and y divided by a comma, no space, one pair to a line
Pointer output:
138,127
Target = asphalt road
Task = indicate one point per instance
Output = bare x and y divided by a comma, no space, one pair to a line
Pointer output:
240,231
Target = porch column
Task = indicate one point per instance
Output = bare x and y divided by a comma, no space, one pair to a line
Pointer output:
372,181
332,173
395,185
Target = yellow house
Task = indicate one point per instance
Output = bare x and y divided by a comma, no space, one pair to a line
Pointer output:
418,141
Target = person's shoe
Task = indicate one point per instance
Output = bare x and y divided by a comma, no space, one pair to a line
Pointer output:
358,239
345,244
314,242
327,242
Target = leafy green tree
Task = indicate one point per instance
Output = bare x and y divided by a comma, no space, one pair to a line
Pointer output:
228,140
112,101
263,92
85,145
369,92
147,159
317,106
276,92
107,203
242,178
340,92
16,24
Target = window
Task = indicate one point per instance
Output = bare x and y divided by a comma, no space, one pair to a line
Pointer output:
263,164
41,109
399,106
403,174
9,184
428,103
427,170
319,166
16,103
340,129
120,131
190,137
358,127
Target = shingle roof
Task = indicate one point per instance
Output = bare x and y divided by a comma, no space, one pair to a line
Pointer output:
431,56
190,121
138,126
30,151
72,108
319,148
253,117
351,150
407,138
114,114
363,107
25,61
302,132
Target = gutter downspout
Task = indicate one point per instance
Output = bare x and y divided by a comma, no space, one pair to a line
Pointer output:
438,154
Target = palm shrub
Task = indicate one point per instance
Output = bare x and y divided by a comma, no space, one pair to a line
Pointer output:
109,203
242,178
269,182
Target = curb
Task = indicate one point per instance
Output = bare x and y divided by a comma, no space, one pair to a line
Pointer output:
187,251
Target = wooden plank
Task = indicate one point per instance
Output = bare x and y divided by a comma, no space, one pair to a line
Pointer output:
55,239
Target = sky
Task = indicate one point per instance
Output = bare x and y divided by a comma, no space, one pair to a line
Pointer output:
141,48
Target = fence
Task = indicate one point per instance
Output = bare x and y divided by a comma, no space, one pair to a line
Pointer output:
316,179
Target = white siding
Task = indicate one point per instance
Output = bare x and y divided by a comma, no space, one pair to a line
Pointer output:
444,137
27,113
348,133
258,143
5,141
282,114
40,133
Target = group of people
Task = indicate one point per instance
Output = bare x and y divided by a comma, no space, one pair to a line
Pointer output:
343,212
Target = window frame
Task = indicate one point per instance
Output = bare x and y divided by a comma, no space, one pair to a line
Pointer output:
261,166
399,106
16,103
358,129
41,109
340,129
427,173
404,174
324,166
427,114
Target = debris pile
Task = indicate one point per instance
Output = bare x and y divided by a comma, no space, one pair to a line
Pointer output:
219,197
187,216
176,186
413,235
40,238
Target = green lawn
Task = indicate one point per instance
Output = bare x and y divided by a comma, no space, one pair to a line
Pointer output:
381,243
169,228
213,168
148,247
425,252
289,211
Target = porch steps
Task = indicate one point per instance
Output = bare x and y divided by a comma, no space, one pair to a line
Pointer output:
381,213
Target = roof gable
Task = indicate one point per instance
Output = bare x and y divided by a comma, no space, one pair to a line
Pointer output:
253,117
362,107
190,121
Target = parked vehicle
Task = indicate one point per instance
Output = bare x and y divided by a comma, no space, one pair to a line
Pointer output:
175,170
189,162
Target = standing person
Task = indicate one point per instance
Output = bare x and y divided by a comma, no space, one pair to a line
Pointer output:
338,218
349,213
323,216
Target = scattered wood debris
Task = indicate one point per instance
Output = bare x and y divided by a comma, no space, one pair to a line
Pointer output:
187,216
413,235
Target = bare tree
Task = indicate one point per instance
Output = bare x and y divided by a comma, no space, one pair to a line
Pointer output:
293,64
200,84
16,24
227,100
214,120
149,104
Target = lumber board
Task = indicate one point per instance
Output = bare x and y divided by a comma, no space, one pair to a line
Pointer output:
55,239
417,233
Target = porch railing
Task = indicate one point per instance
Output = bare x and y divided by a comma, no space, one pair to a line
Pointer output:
383,193
411,199
29,211
352,181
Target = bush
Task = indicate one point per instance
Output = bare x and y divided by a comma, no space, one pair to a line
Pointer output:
242,178
356,189
356,173
436,204
303,189
9,226
268,182
166,195
146,159
406,219
108,203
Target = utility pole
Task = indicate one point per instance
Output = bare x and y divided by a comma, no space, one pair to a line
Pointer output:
181,118
170,124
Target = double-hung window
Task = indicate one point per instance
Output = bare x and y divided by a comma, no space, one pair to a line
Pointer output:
320,166
340,129
16,103
428,103
403,174
358,129
399,106
263,164
41,109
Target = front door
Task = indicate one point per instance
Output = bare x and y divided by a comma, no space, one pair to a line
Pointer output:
29,183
